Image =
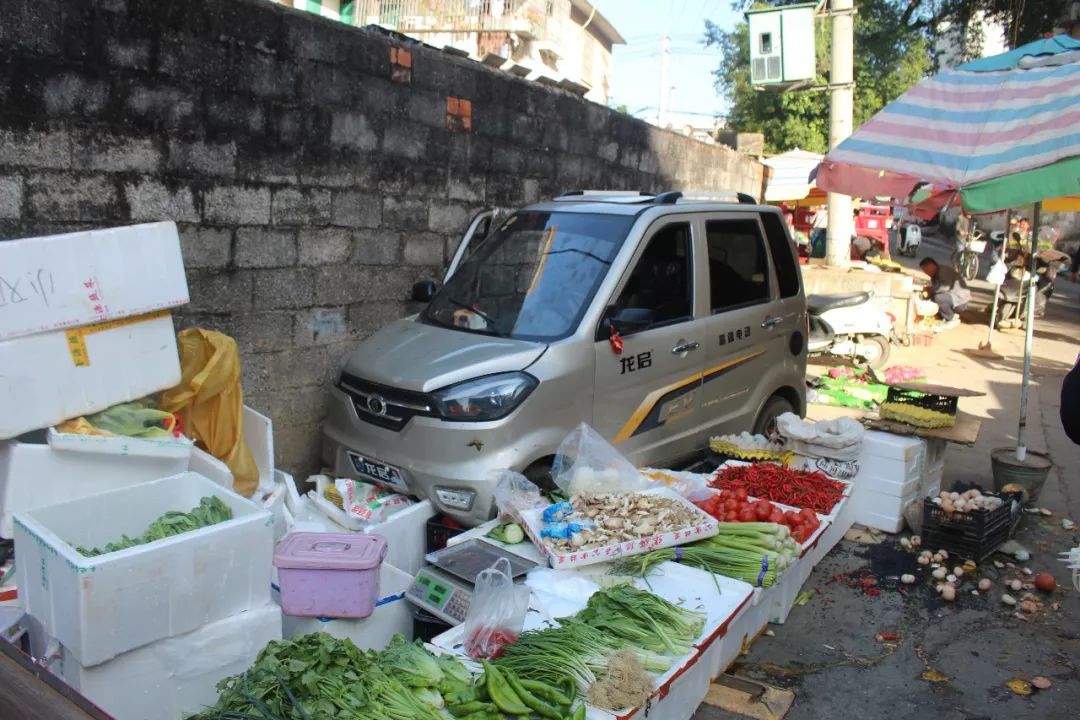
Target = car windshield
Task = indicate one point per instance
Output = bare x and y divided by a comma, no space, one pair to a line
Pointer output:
533,278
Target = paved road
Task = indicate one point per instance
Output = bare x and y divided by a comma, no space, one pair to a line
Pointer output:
827,651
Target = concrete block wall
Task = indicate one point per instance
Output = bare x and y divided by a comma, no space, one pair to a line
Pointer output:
312,168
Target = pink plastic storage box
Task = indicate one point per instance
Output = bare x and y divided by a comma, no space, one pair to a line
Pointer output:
333,575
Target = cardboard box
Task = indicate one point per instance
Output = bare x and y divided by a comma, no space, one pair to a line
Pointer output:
173,678
33,474
85,278
51,377
100,607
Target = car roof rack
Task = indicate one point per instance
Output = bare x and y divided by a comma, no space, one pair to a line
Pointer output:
612,196
670,198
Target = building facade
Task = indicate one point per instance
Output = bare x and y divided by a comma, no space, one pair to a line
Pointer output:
563,40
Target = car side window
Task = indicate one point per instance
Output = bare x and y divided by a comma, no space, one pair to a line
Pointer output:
783,255
738,264
661,284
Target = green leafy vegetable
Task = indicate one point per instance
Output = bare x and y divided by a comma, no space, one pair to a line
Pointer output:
410,663
211,510
643,619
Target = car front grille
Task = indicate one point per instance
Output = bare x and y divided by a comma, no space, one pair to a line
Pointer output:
386,407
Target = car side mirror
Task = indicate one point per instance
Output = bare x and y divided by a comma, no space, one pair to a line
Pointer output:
424,291
630,320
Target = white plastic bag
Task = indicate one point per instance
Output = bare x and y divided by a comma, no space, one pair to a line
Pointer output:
838,439
497,612
586,462
998,272
514,493
369,503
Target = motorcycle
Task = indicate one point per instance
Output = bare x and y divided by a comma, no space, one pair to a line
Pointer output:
908,240
1012,294
851,327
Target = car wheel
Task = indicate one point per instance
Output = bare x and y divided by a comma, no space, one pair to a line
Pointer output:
539,474
766,419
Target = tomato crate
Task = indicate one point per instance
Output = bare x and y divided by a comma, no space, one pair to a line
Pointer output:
970,535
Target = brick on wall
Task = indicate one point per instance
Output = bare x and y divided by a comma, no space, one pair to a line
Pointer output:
311,190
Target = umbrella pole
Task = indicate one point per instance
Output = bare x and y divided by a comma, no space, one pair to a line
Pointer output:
1021,440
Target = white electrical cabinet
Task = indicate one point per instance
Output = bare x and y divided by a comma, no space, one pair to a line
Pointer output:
782,45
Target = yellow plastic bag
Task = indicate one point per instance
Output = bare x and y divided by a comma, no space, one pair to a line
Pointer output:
211,403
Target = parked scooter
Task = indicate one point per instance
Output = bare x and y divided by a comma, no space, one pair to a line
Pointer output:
850,326
1012,294
908,240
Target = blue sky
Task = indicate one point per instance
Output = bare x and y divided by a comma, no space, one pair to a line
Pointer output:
636,65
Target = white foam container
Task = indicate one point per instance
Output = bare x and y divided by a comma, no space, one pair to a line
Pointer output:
34,474
172,678
101,607
120,446
259,435
51,377
885,511
82,278
392,615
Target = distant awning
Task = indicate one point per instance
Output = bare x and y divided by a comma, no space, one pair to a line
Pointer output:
789,177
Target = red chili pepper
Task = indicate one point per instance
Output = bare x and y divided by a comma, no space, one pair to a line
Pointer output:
813,490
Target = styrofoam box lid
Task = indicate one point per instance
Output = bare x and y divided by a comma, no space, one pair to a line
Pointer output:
90,277
877,444
330,551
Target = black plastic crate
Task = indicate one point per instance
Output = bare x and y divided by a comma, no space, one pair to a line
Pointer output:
945,404
439,531
970,535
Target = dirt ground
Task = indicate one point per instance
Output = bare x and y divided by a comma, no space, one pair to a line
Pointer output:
951,661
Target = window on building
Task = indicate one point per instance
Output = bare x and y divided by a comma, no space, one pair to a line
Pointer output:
765,44
738,264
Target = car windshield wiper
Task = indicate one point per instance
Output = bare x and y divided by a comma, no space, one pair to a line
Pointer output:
487,318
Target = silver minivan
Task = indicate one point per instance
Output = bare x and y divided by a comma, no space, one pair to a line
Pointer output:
659,320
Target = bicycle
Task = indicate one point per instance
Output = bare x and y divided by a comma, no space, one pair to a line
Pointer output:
966,262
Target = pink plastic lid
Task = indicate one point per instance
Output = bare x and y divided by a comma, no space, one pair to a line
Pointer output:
330,551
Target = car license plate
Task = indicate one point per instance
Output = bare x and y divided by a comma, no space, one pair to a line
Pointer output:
378,472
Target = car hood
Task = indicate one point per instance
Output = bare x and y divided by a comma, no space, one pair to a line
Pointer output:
412,355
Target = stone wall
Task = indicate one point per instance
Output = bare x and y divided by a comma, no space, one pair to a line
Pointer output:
315,170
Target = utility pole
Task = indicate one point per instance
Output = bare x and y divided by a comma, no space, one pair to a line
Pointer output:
665,58
841,113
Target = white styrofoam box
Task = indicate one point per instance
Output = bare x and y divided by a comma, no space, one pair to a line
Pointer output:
210,467
782,594
120,445
406,536
259,436
885,511
894,458
172,678
274,501
33,474
392,616
102,606
935,452
61,281
51,377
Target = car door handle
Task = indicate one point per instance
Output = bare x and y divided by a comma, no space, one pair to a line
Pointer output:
771,322
684,347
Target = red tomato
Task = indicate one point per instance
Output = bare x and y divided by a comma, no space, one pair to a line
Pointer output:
776,516
731,517
801,535
740,494
808,514
747,515
731,504
791,518
762,510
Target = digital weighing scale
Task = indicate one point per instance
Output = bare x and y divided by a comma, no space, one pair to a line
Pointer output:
445,587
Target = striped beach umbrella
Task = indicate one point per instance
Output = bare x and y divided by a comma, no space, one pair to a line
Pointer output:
995,133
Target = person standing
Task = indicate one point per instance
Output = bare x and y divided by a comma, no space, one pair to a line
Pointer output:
948,291
1070,403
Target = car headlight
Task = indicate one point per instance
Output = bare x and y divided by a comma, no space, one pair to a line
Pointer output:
487,398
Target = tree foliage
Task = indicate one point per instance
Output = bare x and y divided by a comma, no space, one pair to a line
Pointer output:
891,57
